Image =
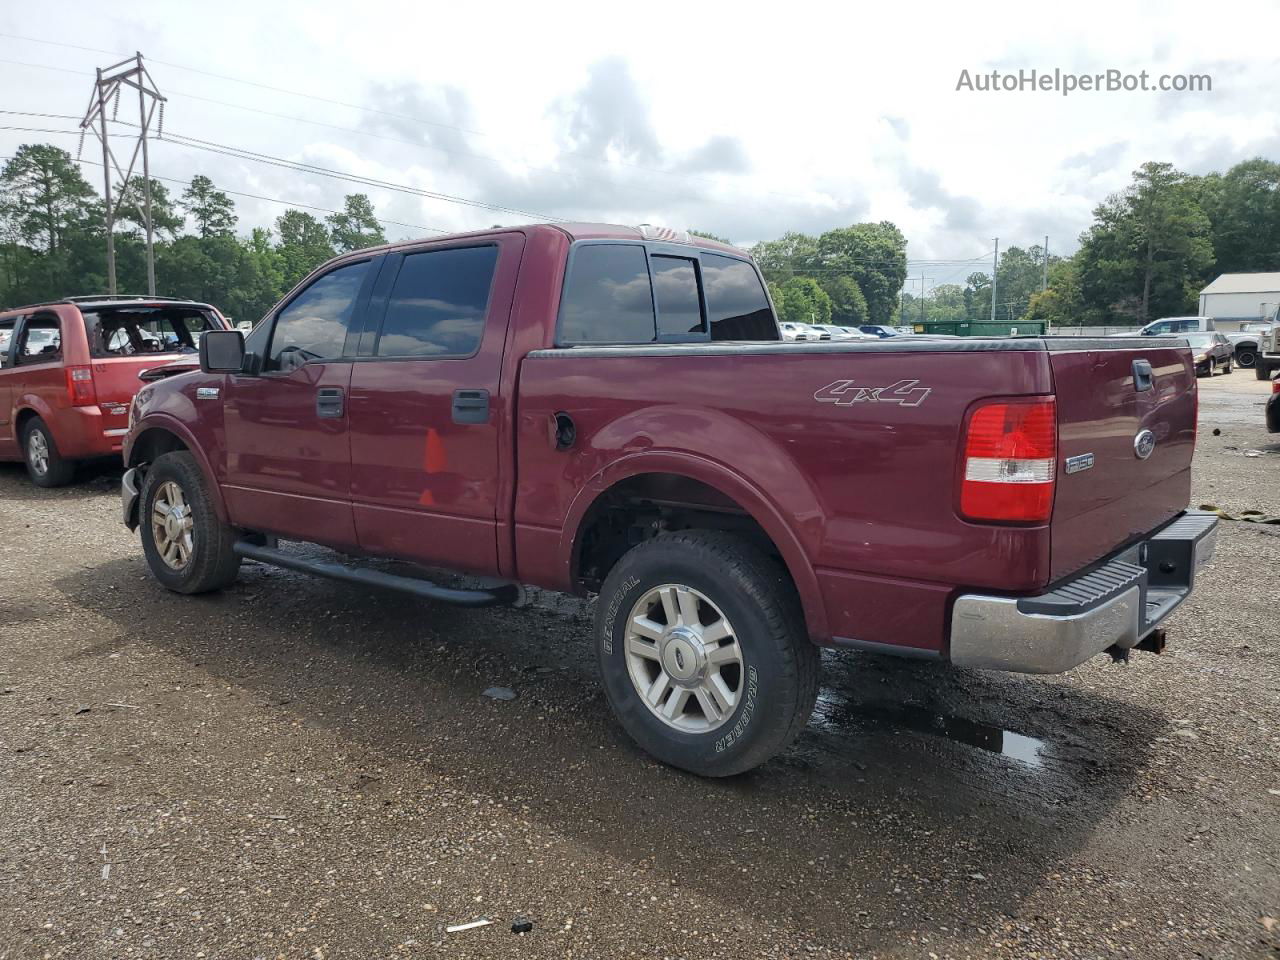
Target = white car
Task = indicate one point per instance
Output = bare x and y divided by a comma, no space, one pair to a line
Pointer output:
793,332
1172,325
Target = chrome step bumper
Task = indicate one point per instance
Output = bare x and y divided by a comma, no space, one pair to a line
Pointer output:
1115,604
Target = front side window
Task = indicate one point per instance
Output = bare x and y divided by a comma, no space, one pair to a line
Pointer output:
737,306
607,298
314,324
40,341
438,303
675,293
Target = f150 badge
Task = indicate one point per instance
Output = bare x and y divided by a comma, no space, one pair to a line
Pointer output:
847,392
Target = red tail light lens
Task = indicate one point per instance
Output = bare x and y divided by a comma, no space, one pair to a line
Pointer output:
80,389
1010,461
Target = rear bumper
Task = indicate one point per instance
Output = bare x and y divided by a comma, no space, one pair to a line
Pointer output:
1116,604
84,432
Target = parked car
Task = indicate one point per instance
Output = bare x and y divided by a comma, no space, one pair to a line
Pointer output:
879,330
1245,342
492,403
836,332
1268,361
69,369
1210,351
816,331
793,331
1171,325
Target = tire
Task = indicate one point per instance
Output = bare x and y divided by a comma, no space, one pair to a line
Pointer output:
1230,367
766,696
1261,370
1246,357
198,544
45,465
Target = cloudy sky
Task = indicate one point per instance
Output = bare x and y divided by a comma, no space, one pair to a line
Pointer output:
740,119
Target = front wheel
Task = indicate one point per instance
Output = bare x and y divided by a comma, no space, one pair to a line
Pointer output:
1261,370
187,547
1245,357
1229,366
703,654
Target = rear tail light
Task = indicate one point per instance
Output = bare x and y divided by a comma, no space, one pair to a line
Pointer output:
1010,461
80,389
1275,386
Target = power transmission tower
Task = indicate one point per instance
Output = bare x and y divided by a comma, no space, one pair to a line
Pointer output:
113,81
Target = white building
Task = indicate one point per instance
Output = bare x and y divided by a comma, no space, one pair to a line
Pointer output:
1236,298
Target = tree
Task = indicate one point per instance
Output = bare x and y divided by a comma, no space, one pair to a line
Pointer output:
709,236
165,219
1061,304
1149,247
210,208
44,197
1243,207
848,305
875,256
803,301
303,245
355,227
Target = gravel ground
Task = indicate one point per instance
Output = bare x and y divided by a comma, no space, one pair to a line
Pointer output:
297,768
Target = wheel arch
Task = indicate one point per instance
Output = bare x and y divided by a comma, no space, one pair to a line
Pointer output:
690,491
154,438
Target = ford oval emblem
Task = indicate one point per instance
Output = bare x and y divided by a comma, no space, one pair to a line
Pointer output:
1143,444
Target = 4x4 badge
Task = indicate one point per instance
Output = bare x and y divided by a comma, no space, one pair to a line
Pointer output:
846,392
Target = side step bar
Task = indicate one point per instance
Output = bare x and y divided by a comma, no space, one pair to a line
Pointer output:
505,594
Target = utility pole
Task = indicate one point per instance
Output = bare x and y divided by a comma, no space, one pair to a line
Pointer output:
1044,281
995,265
111,82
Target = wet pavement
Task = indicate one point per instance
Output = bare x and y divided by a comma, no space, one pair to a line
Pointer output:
301,768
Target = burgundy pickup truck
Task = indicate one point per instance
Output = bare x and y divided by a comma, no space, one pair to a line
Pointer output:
610,410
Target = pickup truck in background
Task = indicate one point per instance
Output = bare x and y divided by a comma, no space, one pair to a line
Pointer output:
609,410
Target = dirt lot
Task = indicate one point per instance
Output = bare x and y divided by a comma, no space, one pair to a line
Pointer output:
297,768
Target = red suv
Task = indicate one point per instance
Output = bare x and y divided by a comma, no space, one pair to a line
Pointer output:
69,370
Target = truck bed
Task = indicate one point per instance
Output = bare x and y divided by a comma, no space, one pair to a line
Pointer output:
858,445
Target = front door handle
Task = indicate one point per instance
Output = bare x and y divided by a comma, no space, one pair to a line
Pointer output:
329,403
471,406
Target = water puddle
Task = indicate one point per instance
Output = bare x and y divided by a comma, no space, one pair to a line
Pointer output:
891,717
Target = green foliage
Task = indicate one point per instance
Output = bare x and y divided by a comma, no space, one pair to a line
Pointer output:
304,245
1149,249
356,227
709,236
802,300
848,305
872,255
211,209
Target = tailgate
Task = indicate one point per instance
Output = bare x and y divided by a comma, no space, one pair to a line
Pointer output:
1102,411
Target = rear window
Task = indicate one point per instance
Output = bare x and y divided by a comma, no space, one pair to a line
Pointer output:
438,304
675,290
607,297
127,331
737,306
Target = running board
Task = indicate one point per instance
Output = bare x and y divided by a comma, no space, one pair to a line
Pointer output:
508,593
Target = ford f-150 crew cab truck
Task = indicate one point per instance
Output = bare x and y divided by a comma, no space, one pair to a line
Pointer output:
611,410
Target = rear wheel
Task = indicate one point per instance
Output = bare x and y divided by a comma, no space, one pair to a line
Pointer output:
45,465
1261,370
703,654
1228,366
1245,357
187,547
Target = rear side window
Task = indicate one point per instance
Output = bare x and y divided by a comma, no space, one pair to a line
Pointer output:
40,340
438,303
607,297
675,292
737,306
126,331
314,324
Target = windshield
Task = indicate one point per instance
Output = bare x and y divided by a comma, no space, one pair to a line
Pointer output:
128,330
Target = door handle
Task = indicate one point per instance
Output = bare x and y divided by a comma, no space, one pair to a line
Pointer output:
471,406
329,404
1142,376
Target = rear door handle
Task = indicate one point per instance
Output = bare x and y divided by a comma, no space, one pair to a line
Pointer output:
329,403
471,406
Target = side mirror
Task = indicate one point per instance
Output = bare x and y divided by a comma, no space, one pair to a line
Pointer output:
222,351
